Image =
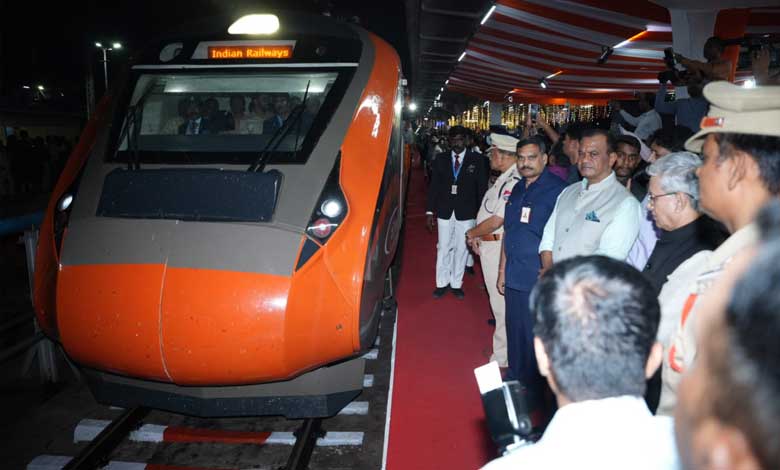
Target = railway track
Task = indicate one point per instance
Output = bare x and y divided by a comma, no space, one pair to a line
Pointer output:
139,438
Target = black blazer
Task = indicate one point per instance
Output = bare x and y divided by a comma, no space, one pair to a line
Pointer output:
472,184
206,127
673,248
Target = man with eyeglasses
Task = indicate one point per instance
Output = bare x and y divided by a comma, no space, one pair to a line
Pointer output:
598,215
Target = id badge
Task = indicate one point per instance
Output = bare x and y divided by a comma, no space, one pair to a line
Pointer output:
525,215
454,189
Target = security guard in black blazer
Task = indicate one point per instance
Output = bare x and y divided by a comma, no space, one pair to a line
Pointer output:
458,182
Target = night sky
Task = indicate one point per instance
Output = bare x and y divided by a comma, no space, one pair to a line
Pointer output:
52,43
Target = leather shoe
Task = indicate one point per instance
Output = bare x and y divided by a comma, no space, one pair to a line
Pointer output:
470,270
458,293
439,292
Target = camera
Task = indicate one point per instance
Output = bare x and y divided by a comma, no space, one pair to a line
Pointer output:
671,74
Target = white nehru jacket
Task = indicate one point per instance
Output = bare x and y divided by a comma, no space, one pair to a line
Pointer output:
597,219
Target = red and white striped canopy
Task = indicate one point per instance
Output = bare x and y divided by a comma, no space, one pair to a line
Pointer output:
524,41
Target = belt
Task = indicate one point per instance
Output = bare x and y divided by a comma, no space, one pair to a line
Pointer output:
493,237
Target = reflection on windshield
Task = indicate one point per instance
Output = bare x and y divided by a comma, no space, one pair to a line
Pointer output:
209,113
260,114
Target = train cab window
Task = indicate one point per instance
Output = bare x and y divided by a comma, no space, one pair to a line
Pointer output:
225,118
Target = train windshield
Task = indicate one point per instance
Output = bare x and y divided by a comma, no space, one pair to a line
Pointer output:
227,118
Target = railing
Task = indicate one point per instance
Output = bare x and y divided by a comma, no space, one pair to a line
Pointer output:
36,345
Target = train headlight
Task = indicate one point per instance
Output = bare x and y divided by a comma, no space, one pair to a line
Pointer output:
331,208
255,24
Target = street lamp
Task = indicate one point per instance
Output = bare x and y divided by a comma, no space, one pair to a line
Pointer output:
105,49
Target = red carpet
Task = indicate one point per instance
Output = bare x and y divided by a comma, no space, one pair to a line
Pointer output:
436,418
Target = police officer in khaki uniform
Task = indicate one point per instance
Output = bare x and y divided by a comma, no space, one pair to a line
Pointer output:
485,238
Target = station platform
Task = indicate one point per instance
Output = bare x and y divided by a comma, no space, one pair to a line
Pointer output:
436,416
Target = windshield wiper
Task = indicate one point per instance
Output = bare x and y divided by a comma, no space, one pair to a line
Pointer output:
133,128
278,136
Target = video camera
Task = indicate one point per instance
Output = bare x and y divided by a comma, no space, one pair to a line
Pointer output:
751,44
671,74
506,410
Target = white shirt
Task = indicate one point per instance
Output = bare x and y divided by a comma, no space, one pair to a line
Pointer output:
610,434
647,123
617,237
460,155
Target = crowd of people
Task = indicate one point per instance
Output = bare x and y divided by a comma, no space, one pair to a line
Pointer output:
30,166
606,255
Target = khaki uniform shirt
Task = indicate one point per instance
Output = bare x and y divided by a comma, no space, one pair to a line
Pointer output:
494,201
681,351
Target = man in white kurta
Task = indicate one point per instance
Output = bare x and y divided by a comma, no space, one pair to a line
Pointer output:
596,216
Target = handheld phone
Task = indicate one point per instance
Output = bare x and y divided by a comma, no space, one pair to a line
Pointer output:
533,110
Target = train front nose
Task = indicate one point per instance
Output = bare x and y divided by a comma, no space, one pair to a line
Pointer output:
223,327
189,303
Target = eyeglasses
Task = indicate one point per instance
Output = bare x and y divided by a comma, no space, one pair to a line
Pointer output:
653,197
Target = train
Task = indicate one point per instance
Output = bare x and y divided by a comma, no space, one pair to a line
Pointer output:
220,239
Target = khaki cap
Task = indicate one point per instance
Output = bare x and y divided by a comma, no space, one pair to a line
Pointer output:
503,142
738,110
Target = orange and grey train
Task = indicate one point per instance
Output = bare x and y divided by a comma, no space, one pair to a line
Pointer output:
219,240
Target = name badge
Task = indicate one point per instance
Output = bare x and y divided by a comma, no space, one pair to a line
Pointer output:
454,189
525,215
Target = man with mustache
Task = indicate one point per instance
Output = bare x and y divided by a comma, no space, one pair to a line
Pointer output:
598,215
525,215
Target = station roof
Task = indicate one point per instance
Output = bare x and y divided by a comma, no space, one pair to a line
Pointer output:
525,41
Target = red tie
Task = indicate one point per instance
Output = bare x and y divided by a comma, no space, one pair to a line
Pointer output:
457,163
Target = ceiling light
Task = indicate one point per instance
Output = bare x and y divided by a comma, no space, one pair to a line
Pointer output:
554,74
117,45
487,15
447,81
412,106
462,56
632,38
543,83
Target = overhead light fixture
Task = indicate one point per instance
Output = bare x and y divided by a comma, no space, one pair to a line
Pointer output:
26,87
487,15
553,74
98,44
632,38
41,88
412,106
606,51
543,83
446,81
117,45
462,56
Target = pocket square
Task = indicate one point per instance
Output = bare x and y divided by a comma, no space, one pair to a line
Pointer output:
592,216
